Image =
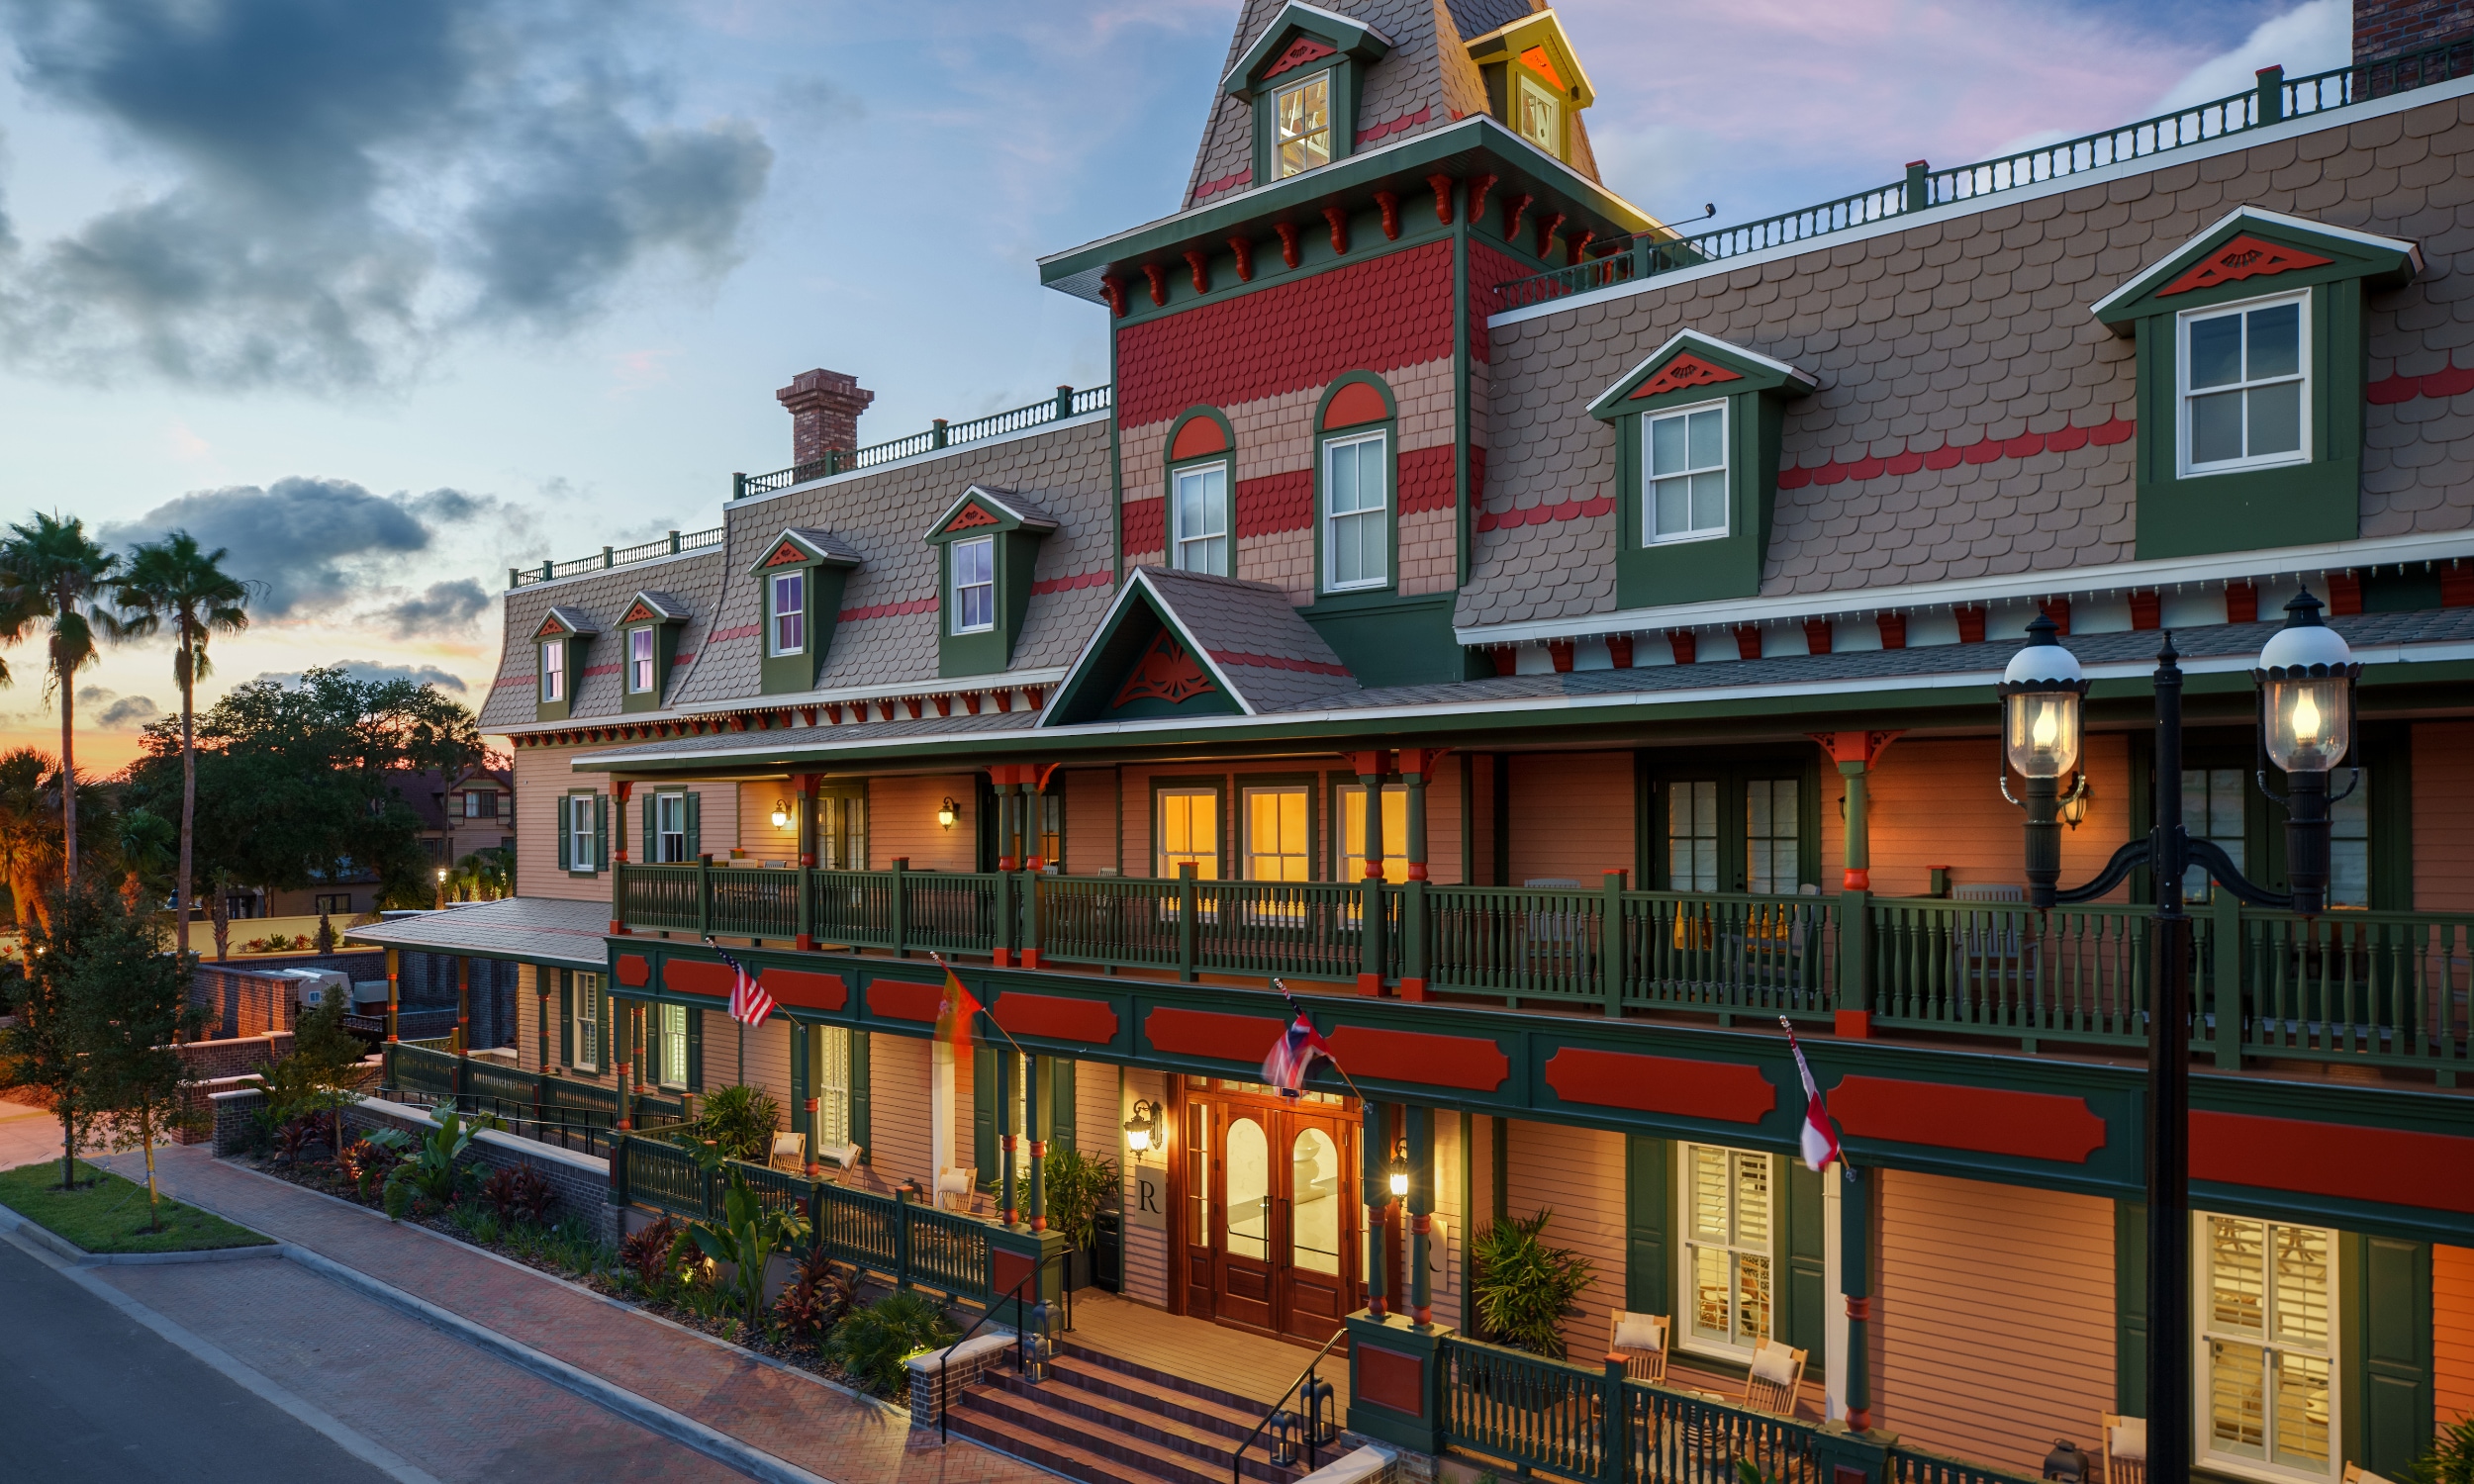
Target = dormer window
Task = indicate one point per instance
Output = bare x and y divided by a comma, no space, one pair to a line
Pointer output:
553,671
1687,458
559,644
790,613
1540,115
1303,119
2247,383
640,662
975,585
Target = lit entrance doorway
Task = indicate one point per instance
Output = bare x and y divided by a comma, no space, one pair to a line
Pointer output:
1269,1213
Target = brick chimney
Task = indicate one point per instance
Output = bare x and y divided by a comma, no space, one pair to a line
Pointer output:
825,408
2385,27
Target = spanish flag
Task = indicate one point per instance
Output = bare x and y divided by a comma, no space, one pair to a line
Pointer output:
953,1018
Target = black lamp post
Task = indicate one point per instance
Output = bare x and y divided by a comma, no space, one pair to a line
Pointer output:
2305,678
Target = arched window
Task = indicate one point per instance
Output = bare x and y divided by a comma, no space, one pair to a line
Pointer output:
1201,477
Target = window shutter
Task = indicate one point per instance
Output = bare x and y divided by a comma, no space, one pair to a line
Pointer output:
1647,1189
1803,1277
648,844
566,1018
984,1151
565,842
695,1077
1061,1099
859,1109
601,832
2387,1364
2130,1305
695,824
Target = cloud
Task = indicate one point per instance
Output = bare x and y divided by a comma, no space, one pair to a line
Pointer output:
335,191
375,670
2311,38
446,607
297,535
129,712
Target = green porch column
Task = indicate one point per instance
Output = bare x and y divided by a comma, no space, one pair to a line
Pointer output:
542,993
802,1096
1421,1207
620,791
1006,1063
1856,1198
619,1027
1855,753
1372,769
1035,1082
1417,770
463,1006
1375,1151
395,975
804,799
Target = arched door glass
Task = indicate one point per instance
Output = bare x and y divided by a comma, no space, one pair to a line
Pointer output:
1248,1190
1314,1179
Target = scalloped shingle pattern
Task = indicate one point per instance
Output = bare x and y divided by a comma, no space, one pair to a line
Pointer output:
1271,654
1972,330
692,581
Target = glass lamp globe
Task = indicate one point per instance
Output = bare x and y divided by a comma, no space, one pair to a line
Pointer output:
2305,678
2042,690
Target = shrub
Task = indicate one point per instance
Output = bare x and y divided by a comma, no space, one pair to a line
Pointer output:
2452,1457
518,1193
650,1257
871,1343
297,1134
741,1120
431,1171
818,1300
1524,1288
368,1159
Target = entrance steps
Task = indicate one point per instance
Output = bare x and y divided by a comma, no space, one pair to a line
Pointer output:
1102,1420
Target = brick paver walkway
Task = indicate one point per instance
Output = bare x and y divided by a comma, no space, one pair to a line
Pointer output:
792,1418
437,1403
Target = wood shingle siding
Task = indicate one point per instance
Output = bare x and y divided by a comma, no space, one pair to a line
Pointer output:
2453,1331
1996,1330
1580,1173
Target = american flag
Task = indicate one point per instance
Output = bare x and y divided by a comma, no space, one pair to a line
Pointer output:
1292,1056
749,1003
1821,1142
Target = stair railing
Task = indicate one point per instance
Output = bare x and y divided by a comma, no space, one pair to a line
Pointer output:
1021,1353
1311,1418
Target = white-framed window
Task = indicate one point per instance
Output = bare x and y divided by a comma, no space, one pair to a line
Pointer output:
1684,456
553,670
1302,114
481,803
2246,392
1277,843
1539,116
1189,830
1200,511
1774,834
2267,1348
674,1046
584,991
789,591
669,840
1693,835
1729,1282
974,584
1357,513
830,1078
582,838
1349,803
640,660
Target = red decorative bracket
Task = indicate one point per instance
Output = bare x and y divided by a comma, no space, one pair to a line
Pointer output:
1970,624
1338,217
1159,277
944,706
1575,244
1201,262
1479,186
1442,185
1390,205
971,703
1856,747
1244,249
912,705
1288,241
1619,650
1113,289
1684,643
1560,651
1004,700
1816,636
1545,231
1893,628
1513,210
1748,641
1035,695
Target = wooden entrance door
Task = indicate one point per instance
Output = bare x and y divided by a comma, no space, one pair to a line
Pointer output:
1271,1215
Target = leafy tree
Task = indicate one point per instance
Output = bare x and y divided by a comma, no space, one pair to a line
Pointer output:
323,1069
128,1001
296,782
172,584
53,573
48,1043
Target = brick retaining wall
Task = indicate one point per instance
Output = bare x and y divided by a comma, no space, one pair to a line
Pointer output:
579,1182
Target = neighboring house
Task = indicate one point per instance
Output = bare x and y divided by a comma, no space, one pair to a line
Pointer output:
1560,649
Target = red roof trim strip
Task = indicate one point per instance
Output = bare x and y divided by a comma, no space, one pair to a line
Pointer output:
888,609
1400,124
2454,381
1874,465
1276,662
1099,579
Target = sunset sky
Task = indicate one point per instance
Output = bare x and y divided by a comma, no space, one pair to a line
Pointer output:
387,299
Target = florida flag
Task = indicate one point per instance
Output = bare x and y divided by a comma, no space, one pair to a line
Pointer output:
1292,1056
1821,1142
749,1003
954,1013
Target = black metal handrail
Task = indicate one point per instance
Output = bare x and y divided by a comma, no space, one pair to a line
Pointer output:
1318,1391
1021,1339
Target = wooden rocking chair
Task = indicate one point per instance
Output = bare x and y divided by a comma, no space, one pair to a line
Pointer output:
1777,1372
2126,1448
1640,1342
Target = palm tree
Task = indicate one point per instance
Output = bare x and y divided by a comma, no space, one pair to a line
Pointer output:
29,830
171,581
52,571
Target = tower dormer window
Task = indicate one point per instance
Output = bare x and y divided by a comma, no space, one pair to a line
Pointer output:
553,671
1539,114
1304,117
790,613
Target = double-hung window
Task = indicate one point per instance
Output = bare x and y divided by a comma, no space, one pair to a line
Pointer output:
832,1083
585,990
790,613
1540,117
1686,454
2212,810
674,1046
582,838
974,584
1349,803
553,670
1693,835
1357,511
1728,1281
1200,511
1303,116
2349,846
669,840
1773,834
1277,844
2245,385
640,660
1189,831
2268,1346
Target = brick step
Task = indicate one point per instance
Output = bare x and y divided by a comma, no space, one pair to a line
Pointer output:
1085,1415
1071,1349
1029,1413
1232,1423
1069,1459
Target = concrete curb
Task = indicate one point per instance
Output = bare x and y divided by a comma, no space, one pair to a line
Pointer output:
222,1362
43,1236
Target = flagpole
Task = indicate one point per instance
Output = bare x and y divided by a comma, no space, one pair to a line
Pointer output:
1281,985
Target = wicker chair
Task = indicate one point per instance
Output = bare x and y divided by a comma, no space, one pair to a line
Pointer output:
1777,1374
2126,1448
1642,1362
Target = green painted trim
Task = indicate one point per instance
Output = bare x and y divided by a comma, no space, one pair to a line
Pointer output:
2351,260
1466,496
1389,426
2129,1308
1348,87
1089,690
1755,374
1732,771
1800,1280
1699,570
1649,1195
796,674
1351,38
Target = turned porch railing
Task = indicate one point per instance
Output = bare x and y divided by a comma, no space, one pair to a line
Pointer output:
2370,987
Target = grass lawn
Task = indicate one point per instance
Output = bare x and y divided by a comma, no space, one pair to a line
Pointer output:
107,1214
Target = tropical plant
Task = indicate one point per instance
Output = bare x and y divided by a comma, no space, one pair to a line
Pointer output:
2450,1459
747,1236
651,1256
431,1173
143,842
30,827
518,1192
366,1160
741,1121
871,1343
323,1068
172,584
53,573
818,1298
1076,1187
1524,1288
295,1135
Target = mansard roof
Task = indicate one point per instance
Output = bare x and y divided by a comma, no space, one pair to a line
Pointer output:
592,604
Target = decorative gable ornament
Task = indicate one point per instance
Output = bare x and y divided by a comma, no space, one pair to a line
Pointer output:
2249,251
972,515
2243,257
1304,49
987,507
566,623
1189,644
649,606
1167,672
1691,364
800,546
1301,36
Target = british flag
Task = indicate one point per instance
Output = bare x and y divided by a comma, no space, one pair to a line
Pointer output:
1292,1056
749,1003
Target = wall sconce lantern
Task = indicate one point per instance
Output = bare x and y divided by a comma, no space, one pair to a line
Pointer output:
1400,1170
1142,1131
947,812
780,814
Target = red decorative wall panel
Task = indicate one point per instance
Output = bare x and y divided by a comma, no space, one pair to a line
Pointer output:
1986,1120
1208,1032
904,999
805,989
1728,1092
634,971
1059,1017
1470,1062
2394,1166
695,977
